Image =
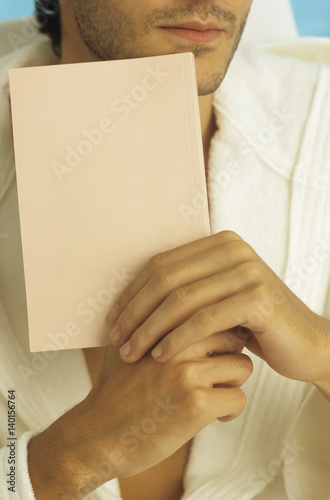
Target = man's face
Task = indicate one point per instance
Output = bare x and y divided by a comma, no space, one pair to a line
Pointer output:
123,29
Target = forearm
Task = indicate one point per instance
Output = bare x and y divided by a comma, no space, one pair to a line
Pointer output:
323,383
61,459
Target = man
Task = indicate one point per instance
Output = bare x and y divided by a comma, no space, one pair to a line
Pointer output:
148,425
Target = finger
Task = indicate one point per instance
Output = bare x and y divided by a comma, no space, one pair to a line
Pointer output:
177,306
238,403
175,283
221,316
202,379
165,259
225,404
228,342
230,370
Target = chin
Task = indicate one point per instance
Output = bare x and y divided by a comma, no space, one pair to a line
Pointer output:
208,84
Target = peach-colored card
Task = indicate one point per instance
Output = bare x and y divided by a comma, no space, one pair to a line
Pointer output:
110,172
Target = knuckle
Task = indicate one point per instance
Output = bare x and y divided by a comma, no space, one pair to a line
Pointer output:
260,294
202,318
246,364
240,399
227,236
128,316
241,368
179,297
197,401
162,278
252,270
240,360
237,403
238,251
186,375
157,261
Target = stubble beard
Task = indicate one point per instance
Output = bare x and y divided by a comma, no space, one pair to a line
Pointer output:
115,37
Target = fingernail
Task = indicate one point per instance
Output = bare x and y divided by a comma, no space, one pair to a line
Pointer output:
114,313
125,349
157,352
115,335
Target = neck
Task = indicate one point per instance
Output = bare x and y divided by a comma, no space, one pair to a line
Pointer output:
208,125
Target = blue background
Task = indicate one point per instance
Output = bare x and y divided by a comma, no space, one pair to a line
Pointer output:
312,16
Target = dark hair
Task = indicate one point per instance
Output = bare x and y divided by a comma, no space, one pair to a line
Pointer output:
48,15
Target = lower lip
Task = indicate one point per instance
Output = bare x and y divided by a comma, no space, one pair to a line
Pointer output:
195,36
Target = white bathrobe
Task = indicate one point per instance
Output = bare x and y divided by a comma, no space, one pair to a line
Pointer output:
268,180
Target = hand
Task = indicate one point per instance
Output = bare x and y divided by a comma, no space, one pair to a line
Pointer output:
160,407
212,285
137,415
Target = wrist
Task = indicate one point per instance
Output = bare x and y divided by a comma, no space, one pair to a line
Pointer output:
62,459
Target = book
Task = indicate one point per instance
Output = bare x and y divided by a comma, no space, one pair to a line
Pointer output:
110,172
